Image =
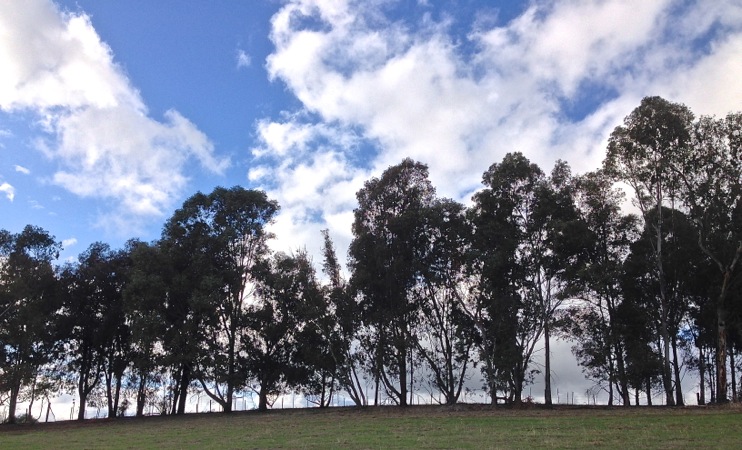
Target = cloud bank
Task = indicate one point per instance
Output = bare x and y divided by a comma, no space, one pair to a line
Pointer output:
92,122
552,83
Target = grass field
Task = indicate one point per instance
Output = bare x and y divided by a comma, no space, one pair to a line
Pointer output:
465,426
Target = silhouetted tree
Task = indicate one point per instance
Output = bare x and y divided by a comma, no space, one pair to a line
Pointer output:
385,260
222,237
646,152
27,305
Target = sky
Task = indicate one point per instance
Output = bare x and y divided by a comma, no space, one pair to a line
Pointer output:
113,113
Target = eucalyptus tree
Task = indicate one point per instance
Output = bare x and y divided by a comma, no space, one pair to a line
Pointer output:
682,260
342,327
711,189
647,152
117,326
503,214
28,303
92,323
552,248
144,297
641,345
324,345
385,259
595,281
188,303
216,242
445,328
284,306
703,328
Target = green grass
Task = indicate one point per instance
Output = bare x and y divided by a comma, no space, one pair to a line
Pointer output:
416,427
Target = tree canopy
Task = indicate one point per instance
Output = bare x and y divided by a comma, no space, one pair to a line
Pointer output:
433,289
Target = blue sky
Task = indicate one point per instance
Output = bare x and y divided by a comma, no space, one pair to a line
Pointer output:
112,113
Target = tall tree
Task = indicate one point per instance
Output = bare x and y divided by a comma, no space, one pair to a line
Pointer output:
118,332
552,250
503,216
320,340
341,327
27,305
385,259
224,234
93,324
445,329
145,295
711,189
186,307
286,291
646,152
595,280
681,261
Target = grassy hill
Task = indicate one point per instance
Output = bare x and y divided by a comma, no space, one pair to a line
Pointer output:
461,426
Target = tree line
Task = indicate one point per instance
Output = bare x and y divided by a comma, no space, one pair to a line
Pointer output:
437,293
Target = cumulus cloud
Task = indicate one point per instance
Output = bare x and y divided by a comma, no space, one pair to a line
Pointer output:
303,166
8,190
552,83
94,122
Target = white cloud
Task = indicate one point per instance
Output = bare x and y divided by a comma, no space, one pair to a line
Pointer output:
66,243
243,59
552,83
22,170
313,180
95,123
8,190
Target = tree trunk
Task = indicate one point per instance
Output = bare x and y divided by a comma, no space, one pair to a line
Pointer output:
518,393
623,382
263,399
664,302
13,405
117,394
412,378
711,369
721,356
379,368
376,390
679,400
702,376
141,395
227,403
231,369
176,390
733,373
83,402
518,384
649,391
547,364
109,394
402,361
666,370
48,409
185,380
